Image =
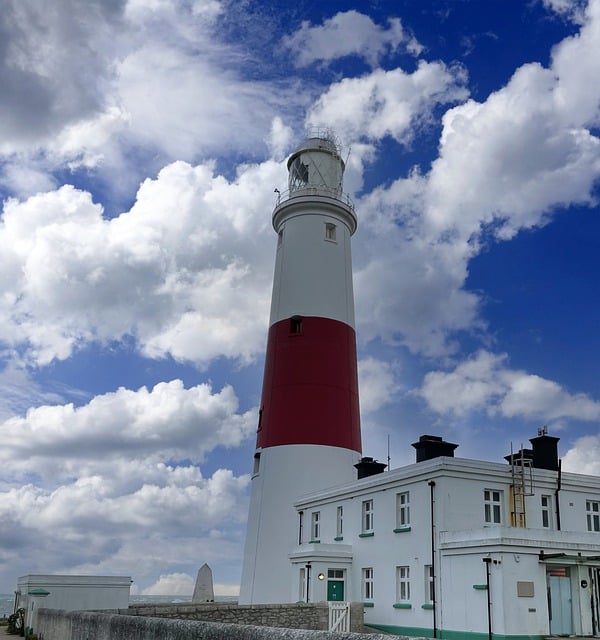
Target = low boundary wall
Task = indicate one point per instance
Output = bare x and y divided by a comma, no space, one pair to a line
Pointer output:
302,615
54,624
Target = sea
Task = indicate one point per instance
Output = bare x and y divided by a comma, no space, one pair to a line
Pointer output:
7,601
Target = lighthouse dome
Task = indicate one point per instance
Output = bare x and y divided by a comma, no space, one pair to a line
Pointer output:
316,166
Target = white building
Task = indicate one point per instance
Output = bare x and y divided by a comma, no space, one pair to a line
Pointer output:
455,548
72,593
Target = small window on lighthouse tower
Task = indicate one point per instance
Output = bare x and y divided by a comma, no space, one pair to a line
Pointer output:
329,231
256,468
296,325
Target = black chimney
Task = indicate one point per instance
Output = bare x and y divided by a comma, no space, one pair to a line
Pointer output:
368,467
430,447
545,452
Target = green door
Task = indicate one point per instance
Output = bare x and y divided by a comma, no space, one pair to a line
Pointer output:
335,590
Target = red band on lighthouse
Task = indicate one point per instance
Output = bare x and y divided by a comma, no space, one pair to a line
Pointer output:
310,388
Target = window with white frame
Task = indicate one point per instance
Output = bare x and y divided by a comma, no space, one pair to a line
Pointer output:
329,231
367,583
339,522
402,584
315,525
429,588
547,512
492,501
592,509
402,509
302,585
367,516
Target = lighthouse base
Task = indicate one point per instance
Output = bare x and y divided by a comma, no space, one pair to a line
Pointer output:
282,474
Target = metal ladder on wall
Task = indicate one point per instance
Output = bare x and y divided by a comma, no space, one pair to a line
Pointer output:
522,476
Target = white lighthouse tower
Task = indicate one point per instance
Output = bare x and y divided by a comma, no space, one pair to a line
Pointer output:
309,425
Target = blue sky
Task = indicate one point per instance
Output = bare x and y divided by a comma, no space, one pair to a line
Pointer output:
140,144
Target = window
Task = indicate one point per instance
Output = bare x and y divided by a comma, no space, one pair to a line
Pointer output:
402,510
429,588
256,468
367,583
315,525
593,515
329,231
402,584
280,238
547,512
339,523
302,585
492,500
296,325
300,526
367,516
298,174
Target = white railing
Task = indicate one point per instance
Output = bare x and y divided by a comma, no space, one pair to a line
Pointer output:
339,616
283,196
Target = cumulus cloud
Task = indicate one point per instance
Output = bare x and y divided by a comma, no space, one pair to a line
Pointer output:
583,456
87,83
388,103
377,383
348,33
186,270
172,584
108,483
167,422
484,383
88,528
504,165
526,150
45,84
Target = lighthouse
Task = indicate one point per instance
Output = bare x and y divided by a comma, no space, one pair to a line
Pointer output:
308,434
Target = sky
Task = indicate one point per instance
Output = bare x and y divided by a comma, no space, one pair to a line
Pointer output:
140,145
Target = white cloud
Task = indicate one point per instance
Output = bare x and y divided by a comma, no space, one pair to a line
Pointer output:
348,33
54,66
527,149
18,392
377,384
484,383
504,165
172,584
583,456
187,270
89,528
110,483
167,422
280,139
571,9
388,103
88,83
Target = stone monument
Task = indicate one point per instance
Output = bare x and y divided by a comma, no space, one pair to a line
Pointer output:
203,590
